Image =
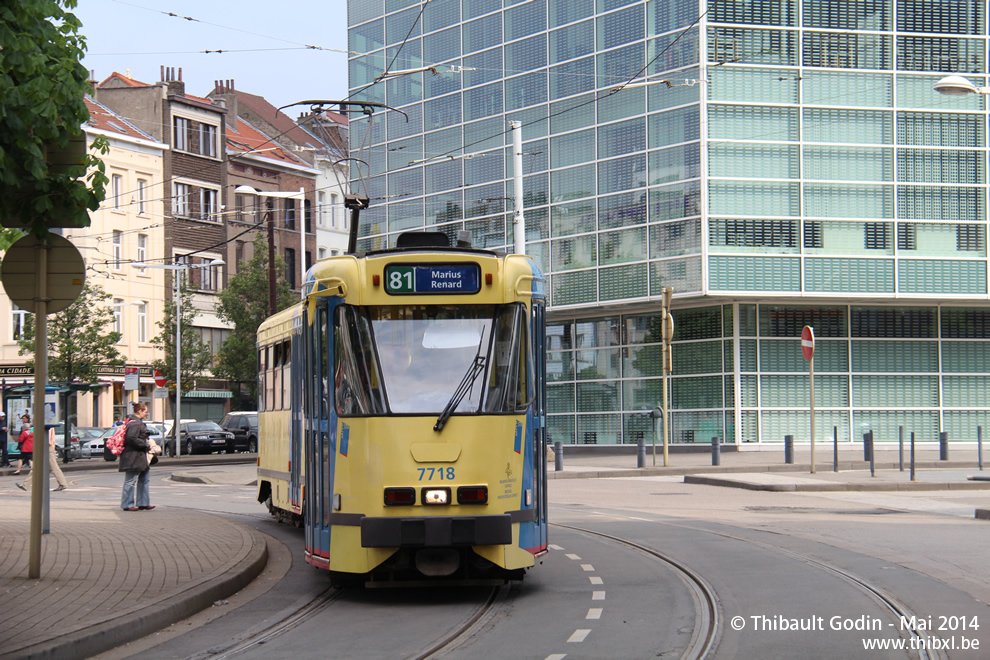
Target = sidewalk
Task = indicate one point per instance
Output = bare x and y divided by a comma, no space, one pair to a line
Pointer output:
99,589
110,576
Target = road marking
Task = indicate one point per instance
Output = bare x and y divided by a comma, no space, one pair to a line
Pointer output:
573,557
556,656
555,547
587,567
594,613
597,595
640,519
579,635
595,580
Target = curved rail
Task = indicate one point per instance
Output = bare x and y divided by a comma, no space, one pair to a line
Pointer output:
468,627
706,633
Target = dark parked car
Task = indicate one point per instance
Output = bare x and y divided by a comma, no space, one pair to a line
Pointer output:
200,437
244,426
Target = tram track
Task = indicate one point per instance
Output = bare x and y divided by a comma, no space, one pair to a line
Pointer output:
704,638
467,628
886,600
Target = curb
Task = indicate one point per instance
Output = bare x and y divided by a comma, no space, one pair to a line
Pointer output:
154,616
832,486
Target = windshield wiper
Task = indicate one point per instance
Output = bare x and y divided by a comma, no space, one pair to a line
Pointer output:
475,369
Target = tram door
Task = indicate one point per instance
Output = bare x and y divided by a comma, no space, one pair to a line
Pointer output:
319,442
296,351
539,334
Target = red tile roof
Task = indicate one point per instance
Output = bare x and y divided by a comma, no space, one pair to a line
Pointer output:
105,119
246,138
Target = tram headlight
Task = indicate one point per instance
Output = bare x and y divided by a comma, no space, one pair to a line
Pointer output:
436,496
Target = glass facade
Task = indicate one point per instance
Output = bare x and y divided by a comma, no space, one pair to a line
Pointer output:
792,151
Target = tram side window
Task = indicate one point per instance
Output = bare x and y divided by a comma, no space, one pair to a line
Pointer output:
274,384
357,383
262,368
322,339
286,373
508,388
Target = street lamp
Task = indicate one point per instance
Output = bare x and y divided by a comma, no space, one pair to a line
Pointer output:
301,195
177,450
958,86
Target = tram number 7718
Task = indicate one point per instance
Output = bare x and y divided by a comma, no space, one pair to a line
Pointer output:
441,474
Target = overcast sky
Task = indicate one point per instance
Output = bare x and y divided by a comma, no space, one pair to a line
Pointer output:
267,44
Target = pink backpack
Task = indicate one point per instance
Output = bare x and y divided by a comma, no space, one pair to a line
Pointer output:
115,443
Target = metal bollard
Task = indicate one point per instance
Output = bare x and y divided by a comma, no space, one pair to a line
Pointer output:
912,455
788,449
835,449
943,446
873,471
979,446
716,451
900,446
558,456
868,446
641,453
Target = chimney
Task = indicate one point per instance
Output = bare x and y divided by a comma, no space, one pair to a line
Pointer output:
173,82
224,95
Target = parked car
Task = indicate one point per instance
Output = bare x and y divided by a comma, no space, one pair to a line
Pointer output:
197,437
244,426
90,442
75,444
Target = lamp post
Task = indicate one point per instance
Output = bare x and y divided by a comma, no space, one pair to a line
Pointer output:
177,450
301,196
958,86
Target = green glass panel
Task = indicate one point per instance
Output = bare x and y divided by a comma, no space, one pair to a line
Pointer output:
899,322
940,202
560,366
617,247
560,398
685,87
847,50
682,275
572,253
674,164
794,391
572,148
698,323
849,163
572,114
785,355
749,390
754,274
928,53
699,392
623,210
781,12
781,321
961,425
749,426
885,425
895,391
965,322
573,218
756,85
642,329
754,198
623,282
748,354
598,429
847,200
672,239
751,236
559,334
943,129
966,357
696,357
894,356
727,329
597,397
598,363
673,127
965,391
573,183
621,174
597,332
642,394
849,275
675,201
955,277
778,161
636,427
848,126
778,423
560,428
747,320
941,166
731,122
848,88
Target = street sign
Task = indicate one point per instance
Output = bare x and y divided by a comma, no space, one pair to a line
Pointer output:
159,379
131,378
65,273
808,342
161,392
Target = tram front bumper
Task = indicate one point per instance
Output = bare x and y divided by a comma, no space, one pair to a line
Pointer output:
436,532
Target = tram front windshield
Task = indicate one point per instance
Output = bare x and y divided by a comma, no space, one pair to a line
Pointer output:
411,359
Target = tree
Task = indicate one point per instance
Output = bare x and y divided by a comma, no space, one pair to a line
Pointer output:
244,304
196,356
42,109
81,338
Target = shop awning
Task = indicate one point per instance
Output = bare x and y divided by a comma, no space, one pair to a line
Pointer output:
208,394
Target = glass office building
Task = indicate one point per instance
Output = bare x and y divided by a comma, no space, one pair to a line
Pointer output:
778,163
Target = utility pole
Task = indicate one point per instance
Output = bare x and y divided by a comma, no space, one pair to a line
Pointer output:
667,333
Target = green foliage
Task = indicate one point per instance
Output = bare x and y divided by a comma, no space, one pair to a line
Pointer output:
244,304
80,339
42,85
196,356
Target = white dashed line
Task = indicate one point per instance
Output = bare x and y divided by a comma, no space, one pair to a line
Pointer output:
640,519
579,635
587,567
594,613
574,557
556,656
555,547
595,579
597,595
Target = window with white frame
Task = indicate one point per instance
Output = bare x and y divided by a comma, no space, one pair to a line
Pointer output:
117,248
118,317
195,137
321,253
208,140
321,200
142,322
116,189
209,204
142,191
209,279
180,205
18,321
181,134
142,249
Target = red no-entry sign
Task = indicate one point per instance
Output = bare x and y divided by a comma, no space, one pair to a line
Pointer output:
159,379
808,342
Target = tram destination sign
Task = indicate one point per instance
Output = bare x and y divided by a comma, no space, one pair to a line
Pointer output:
450,279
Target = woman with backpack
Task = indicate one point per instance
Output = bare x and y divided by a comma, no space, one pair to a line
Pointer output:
25,443
134,461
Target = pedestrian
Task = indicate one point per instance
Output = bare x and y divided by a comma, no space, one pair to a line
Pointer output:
134,461
25,444
52,467
4,458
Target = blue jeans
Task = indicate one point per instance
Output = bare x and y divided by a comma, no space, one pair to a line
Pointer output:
141,478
